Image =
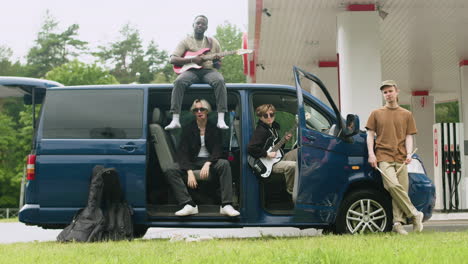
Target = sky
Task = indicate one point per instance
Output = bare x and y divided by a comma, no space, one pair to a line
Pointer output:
164,21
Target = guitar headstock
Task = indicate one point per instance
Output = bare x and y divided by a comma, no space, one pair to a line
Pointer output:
243,51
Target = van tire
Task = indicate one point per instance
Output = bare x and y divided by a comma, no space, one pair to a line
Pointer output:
139,231
377,216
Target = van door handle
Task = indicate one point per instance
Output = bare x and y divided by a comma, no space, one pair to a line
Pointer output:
311,138
128,147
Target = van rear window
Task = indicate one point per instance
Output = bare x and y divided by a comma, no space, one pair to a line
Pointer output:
93,114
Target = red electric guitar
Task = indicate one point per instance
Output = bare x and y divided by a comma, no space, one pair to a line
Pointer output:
191,54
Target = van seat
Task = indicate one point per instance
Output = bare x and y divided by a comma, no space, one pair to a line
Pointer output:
163,144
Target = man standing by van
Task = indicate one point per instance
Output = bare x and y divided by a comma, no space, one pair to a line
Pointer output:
207,73
394,127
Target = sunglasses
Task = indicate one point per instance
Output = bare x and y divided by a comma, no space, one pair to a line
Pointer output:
201,109
268,115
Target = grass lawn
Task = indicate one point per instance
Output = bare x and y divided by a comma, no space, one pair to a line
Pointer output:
9,220
430,247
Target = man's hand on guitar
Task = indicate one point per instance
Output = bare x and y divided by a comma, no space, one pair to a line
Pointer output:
197,59
271,155
288,136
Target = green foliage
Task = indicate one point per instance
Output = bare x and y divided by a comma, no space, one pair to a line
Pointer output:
131,63
165,75
230,38
7,67
79,73
52,48
157,65
447,112
9,162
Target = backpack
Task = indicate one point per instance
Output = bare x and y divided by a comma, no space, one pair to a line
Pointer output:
107,216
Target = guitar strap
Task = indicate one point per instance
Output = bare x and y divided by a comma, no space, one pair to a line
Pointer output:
210,42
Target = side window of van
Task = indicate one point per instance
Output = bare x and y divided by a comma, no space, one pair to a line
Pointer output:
286,108
93,114
316,120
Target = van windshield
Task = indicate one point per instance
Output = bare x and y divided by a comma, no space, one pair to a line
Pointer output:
93,114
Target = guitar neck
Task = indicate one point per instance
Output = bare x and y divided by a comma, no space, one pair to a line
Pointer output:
282,141
221,54
278,145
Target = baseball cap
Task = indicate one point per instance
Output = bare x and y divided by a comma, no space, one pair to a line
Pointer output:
388,83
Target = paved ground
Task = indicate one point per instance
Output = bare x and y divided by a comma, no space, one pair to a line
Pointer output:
18,232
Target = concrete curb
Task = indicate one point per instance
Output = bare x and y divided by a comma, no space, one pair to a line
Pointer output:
448,216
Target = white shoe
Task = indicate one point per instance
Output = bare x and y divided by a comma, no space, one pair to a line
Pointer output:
222,125
399,229
228,210
417,222
173,125
187,210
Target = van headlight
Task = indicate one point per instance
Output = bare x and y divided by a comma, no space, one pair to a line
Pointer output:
415,166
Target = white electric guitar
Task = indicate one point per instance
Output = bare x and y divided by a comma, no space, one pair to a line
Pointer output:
263,166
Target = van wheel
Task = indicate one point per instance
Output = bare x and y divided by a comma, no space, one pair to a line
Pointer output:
364,211
139,231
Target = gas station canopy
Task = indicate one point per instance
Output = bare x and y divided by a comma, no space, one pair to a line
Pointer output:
423,42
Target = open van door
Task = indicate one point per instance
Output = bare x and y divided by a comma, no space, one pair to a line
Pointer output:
22,86
323,144
32,90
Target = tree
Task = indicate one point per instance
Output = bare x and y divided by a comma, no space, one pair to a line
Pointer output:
126,55
9,162
7,67
79,73
447,112
130,62
230,38
157,62
165,75
53,49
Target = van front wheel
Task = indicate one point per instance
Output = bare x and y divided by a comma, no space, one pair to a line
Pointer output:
364,211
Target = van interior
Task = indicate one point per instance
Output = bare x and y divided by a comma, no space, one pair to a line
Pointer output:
163,148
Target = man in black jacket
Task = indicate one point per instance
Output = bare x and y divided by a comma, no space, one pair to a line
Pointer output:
200,149
267,128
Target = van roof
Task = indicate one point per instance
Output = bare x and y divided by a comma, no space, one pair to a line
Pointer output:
170,85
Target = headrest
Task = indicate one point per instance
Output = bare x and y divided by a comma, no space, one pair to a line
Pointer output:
158,116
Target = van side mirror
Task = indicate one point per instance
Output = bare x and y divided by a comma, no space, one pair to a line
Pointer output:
352,125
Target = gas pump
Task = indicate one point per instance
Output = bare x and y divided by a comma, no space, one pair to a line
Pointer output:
448,167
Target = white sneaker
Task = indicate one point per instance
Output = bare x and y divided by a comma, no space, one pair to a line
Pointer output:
417,222
173,125
399,229
222,125
228,210
187,210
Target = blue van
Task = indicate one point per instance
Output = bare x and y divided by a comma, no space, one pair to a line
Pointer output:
121,126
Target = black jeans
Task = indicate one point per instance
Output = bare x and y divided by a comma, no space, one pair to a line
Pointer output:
219,171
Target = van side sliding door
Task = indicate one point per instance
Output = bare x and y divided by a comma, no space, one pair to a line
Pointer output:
82,128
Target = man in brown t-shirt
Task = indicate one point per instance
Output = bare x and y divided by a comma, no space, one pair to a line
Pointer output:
206,74
394,127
